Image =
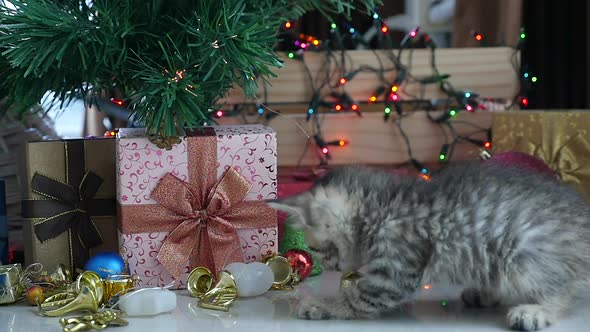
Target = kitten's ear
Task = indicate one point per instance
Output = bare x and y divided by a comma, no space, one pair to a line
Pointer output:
296,206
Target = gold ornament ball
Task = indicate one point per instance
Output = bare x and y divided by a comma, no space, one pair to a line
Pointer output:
35,295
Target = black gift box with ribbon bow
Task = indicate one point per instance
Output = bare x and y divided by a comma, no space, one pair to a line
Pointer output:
69,206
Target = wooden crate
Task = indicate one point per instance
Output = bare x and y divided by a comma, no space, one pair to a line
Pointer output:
487,71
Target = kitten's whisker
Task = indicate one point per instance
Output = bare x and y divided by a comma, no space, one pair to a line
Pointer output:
280,114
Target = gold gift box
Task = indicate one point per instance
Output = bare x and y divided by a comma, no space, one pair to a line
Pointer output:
50,159
561,139
10,286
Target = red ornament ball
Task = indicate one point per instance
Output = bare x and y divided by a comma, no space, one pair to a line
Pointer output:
301,262
524,161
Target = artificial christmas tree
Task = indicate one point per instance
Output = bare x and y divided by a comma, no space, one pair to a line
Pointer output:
171,59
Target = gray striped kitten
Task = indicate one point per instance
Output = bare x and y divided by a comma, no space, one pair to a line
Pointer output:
509,236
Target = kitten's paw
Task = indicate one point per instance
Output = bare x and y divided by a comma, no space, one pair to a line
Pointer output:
473,297
313,309
530,317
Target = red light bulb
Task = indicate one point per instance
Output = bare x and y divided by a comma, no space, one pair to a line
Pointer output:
478,36
394,97
325,150
525,102
342,81
338,107
354,107
219,114
469,108
487,145
384,29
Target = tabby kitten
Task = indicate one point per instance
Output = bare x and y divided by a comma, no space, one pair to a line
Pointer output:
509,236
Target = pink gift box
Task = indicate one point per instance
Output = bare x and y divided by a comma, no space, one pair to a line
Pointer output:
250,150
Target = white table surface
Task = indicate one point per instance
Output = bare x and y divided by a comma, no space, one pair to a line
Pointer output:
274,312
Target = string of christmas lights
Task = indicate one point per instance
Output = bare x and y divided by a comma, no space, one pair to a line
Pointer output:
329,94
389,93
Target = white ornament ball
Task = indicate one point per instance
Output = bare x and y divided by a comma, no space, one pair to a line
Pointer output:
148,302
252,279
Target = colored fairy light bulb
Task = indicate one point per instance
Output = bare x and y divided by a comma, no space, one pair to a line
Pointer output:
522,35
394,88
310,111
413,33
117,101
325,150
288,25
487,145
452,112
478,36
384,29
534,79
291,55
338,107
375,16
393,97
467,94
260,110
351,30
525,101
219,113
342,142
333,26
316,42
373,99
469,108
354,107
387,110
342,81
526,75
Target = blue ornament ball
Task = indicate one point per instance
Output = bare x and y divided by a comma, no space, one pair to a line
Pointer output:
106,264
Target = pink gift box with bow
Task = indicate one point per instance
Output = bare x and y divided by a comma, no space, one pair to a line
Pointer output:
172,214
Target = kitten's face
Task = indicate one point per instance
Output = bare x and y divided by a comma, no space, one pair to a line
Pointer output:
325,215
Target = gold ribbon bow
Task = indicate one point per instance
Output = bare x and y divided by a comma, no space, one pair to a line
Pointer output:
558,138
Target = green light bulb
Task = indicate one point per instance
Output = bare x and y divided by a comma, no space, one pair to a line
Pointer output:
291,55
387,110
453,112
333,26
522,35
534,79
442,157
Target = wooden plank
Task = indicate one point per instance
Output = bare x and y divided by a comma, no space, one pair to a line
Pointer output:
487,71
371,139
